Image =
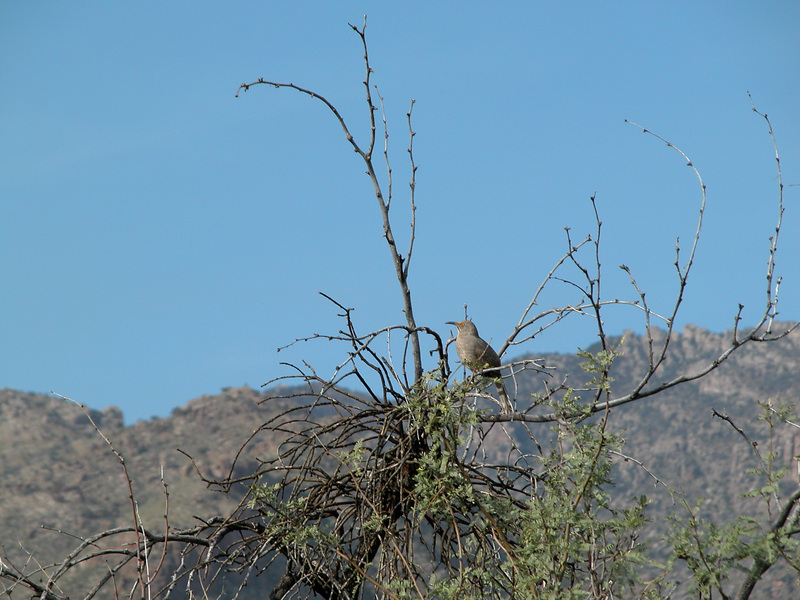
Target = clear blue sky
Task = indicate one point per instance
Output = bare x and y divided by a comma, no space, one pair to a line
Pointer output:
160,238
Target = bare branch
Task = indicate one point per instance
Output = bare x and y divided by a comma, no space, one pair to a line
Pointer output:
401,269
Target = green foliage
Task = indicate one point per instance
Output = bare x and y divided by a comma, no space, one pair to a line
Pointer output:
598,364
558,538
263,493
445,419
708,550
354,459
748,544
571,540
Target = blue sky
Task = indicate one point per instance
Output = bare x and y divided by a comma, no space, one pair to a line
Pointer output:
160,238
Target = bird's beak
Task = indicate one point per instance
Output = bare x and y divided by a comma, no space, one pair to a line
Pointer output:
452,323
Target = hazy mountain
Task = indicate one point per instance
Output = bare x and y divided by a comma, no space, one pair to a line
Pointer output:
59,478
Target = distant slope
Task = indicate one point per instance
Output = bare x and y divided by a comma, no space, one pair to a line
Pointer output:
56,471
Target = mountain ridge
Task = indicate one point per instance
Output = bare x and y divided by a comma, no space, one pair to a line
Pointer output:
58,474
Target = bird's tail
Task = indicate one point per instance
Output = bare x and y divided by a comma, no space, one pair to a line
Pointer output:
505,401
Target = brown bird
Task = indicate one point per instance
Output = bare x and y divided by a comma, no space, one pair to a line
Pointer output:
477,355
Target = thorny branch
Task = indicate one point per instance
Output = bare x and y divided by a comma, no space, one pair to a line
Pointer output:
646,387
400,262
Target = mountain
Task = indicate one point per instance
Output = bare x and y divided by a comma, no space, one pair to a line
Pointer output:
59,478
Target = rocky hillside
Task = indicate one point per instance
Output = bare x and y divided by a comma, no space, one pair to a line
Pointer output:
59,478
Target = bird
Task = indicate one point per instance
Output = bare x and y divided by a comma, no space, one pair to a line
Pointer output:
477,355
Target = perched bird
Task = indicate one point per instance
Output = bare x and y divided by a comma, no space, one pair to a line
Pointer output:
477,355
